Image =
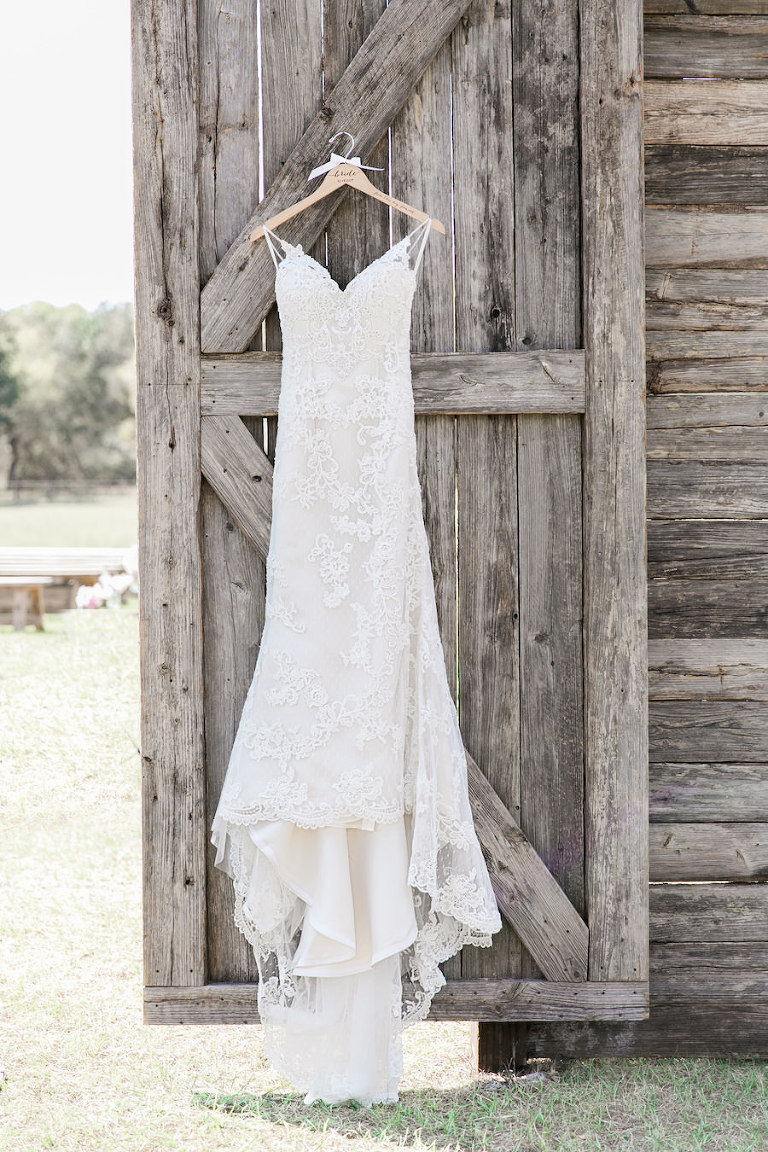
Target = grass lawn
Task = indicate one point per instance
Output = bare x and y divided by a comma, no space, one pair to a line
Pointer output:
107,519
79,1071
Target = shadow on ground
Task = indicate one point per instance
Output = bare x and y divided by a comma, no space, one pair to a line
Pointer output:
459,1118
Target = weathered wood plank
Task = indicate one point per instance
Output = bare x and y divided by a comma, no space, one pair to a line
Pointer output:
443,382
696,236
715,112
706,174
708,912
708,669
240,475
681,345
545,86
728,373
616,665
489,668
681,541
708,285
682,316
233,573
484,225
708,446
708,7
741,410
721,970
704,1028
706,608
689,731
697,45
696,851
705,792
364,101
692,489
457,1000
164,59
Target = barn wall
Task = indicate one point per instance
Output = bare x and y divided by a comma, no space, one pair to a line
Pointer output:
706,171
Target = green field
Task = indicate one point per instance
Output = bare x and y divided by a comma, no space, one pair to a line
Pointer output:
102,520
79,1072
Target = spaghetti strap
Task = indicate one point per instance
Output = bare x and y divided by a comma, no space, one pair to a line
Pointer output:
420,253
268,234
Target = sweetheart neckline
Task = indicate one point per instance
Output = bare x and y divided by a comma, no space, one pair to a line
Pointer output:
299,250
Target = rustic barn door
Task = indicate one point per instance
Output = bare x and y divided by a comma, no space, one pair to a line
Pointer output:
521,129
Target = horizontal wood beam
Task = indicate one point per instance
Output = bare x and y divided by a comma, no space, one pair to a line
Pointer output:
705,1028
708,792
457,1000
488,382
702,851
364,102
690,44
718,112
707,173
708,669
707,912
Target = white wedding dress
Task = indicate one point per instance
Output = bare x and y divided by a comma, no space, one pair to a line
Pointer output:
344,819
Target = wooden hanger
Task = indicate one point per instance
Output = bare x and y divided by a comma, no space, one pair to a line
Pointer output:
343,170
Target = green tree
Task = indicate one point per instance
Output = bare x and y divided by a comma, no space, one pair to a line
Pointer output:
73,417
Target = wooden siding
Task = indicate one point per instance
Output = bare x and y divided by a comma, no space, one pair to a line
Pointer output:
707,405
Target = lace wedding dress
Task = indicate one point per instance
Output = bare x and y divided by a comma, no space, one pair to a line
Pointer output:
344,819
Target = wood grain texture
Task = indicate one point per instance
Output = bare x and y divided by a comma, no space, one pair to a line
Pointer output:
691,44
712,609
718,112
704,792
616,666
696,236
708,912
703,1028
720,851
708,285
363,101
443,382
706,173
233,572
688,488
548,311
458,1000
488,611
708,669
168,416
708,7
689,373
691,731
241,476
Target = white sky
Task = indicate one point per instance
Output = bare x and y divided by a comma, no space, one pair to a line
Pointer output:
65,173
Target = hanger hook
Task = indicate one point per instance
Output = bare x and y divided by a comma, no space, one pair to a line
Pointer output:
344,132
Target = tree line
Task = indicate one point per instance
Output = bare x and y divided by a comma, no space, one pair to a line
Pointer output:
67,396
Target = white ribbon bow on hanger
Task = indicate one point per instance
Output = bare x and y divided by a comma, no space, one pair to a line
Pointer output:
335,160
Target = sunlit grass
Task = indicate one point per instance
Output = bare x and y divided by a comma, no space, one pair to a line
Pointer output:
83,1073
105,519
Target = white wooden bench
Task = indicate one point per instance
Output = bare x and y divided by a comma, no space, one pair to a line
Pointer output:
38,580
